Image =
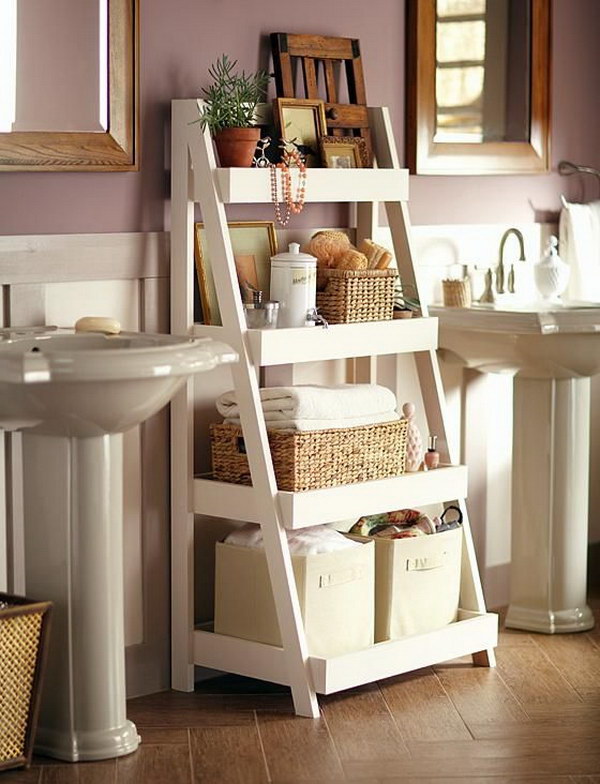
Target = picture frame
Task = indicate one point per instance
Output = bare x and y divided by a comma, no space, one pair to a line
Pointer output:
248,238
344,152
301,121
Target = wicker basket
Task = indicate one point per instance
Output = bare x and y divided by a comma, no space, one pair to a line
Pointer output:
357,295
317,458
457,293
23,634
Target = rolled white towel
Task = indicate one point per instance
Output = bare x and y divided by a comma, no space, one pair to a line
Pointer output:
279,423
305,541
580,248
316,402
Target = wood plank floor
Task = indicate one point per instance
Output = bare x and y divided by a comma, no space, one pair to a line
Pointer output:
535,719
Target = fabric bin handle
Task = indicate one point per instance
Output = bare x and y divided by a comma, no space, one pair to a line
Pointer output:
426,563
341,576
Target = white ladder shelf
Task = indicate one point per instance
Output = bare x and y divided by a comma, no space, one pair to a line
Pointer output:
196,178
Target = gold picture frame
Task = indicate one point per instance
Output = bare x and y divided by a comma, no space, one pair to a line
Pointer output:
301,121
344,152
248,238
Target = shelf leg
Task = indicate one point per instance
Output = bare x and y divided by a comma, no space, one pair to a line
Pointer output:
276,545
471,593
245,379
182,411
290,620
484,658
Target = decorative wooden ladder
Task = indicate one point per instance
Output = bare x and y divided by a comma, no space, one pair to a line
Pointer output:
196,178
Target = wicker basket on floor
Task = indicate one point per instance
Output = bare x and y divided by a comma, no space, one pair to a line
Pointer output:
357,295
23,635
318,458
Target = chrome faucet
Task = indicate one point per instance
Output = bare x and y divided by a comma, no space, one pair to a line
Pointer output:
500,267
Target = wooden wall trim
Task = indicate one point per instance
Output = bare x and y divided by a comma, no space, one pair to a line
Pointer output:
55,258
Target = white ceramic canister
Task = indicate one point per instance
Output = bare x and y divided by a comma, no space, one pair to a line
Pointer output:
294,286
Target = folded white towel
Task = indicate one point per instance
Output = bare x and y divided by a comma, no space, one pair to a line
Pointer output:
580,248
316,402
306,541
277,423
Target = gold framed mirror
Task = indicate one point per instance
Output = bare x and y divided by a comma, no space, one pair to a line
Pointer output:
108,53
478,86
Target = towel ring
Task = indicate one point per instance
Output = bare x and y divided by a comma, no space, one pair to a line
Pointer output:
567,168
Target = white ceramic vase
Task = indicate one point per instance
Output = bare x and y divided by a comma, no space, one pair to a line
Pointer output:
551,274
414,441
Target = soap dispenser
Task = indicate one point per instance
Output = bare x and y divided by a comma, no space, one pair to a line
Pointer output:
551,274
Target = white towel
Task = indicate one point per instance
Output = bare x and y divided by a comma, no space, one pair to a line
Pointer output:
306,541
580,248
316,402
320,424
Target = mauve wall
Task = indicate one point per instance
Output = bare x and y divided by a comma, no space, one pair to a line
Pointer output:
180,39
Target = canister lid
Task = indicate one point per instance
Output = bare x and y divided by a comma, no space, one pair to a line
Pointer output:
293,254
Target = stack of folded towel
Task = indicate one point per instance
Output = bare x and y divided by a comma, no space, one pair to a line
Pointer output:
306,541
318,407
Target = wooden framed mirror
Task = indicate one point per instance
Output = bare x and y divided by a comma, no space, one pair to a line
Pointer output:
478,86
71,103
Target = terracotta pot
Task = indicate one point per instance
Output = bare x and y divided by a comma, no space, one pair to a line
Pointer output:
236,146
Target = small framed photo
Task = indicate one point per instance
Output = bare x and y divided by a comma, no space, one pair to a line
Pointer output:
344,152
253,242
301,121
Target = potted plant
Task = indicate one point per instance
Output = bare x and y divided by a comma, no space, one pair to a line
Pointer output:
404,305
229,108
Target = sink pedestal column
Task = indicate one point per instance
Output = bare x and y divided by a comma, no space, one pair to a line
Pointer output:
73,491
550,505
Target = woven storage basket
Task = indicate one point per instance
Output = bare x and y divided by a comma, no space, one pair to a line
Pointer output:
357,295
318,458
23,634
457,293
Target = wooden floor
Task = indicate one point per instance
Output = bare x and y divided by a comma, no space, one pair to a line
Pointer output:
536,718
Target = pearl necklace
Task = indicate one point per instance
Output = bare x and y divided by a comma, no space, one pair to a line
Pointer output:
292,205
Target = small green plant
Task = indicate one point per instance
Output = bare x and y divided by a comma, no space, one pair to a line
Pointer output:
401,299
231,99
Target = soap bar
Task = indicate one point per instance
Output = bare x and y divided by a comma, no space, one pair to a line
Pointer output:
108,326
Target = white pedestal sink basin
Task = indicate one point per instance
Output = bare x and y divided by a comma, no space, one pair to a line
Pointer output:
552,351
74,395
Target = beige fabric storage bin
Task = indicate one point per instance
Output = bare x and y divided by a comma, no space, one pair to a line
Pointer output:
417,583
336,592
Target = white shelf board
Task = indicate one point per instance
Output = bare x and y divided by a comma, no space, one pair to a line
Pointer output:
251,186
224,499
314,507
330,504
370,338
242,657
472,632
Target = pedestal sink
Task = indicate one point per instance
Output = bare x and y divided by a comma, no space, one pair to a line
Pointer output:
74,394
552,351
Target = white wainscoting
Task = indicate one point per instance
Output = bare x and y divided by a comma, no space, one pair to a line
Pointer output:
50,279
